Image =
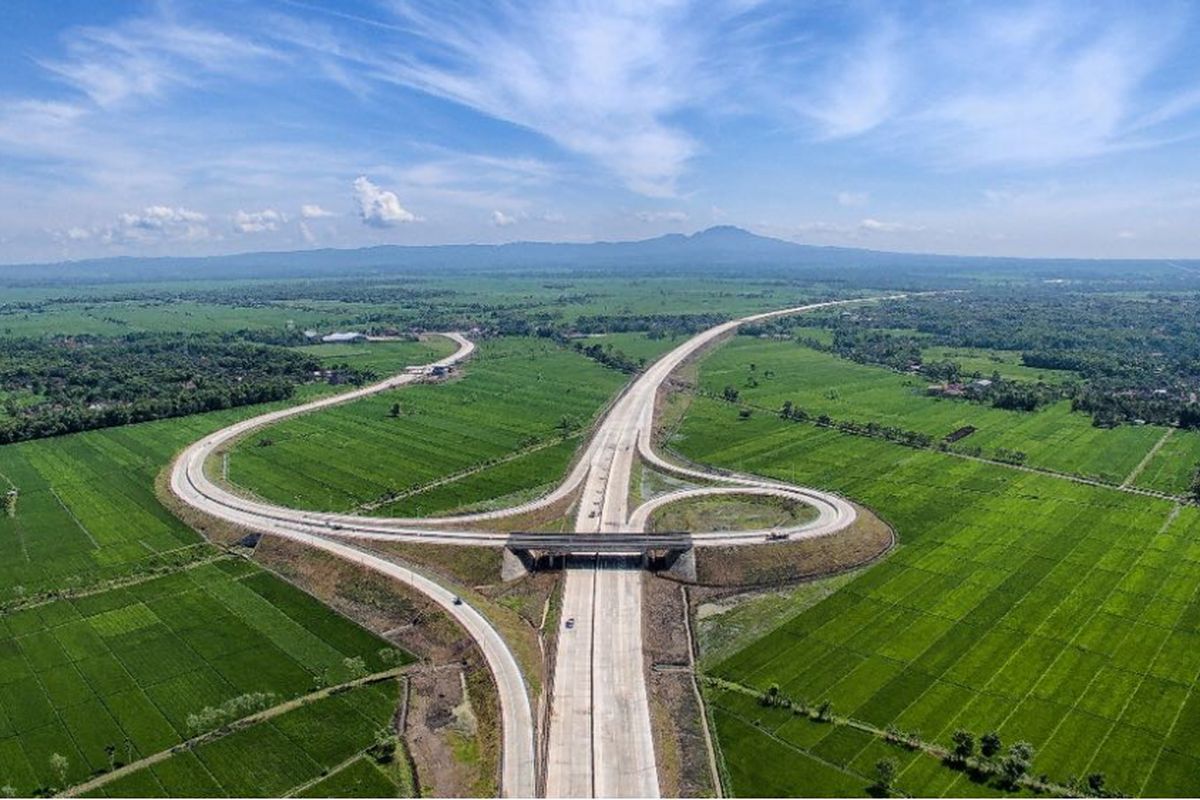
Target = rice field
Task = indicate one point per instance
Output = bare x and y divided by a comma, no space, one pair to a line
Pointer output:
1056,613
513,397
118,623
314,750
384,358
1052,438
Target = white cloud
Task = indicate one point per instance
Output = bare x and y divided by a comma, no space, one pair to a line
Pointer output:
605,81
849,199
306,232
661,216
878,226
151,224
502,220
314,211
860,85
258,221
379,208
161,218
144,56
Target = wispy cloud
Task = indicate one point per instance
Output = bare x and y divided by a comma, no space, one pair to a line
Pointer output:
661,216
144,56
590,109
314,211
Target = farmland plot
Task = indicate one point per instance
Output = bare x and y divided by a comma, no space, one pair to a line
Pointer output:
384,358
127,666
1064,615
278,756
514,395
135,668
820,383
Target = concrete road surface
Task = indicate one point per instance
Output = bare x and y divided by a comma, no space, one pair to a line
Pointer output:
600,741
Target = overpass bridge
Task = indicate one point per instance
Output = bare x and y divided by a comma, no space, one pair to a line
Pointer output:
531,552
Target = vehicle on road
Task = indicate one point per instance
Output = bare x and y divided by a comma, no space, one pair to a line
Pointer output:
570,623
457,600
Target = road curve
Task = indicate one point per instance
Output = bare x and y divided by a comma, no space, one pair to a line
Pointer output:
613,708
189,483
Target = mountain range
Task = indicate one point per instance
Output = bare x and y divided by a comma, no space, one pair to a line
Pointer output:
722,250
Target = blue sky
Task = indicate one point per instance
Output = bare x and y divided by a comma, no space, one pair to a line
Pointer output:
986,128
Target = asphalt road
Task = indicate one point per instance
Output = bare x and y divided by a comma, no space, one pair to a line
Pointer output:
600,741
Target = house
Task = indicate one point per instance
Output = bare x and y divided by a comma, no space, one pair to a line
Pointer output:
945,390
344,338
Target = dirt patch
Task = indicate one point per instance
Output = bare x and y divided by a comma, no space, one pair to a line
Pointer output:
787,562
453,707
471,566
676,719
443,732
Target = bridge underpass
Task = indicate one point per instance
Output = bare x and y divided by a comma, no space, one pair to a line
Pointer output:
660,552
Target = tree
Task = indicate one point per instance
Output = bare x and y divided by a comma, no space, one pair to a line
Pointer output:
394,411
964,744
730,394
1095,784
744,413
989,744
1017,762
786,411
825,711
885,775
384,748
355,666
110,750
60,765
8,790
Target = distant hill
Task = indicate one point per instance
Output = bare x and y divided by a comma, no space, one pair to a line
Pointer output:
719,250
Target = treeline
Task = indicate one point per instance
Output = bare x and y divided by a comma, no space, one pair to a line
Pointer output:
65,385
903,353
610,357
1137,356
655,326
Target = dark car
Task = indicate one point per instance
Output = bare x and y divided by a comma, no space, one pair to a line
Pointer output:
570,623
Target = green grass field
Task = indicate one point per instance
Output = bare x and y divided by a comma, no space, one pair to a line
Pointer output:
509,398
276,757
985,362
820,383
1057,613
156,625
385,358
